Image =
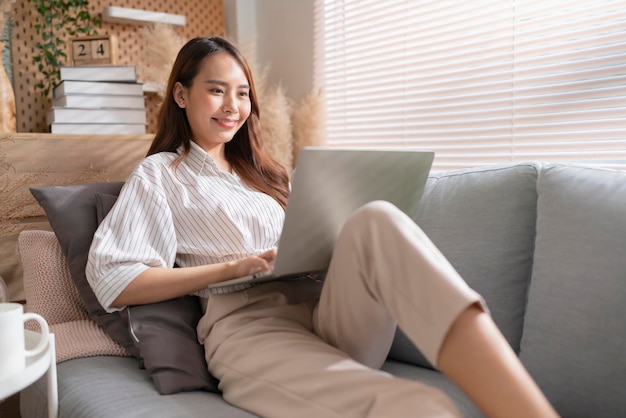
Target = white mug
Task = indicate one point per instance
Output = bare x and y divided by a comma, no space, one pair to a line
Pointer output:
13,352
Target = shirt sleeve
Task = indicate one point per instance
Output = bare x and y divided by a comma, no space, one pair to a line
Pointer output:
137,234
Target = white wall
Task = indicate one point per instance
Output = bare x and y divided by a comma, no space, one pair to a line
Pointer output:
277,34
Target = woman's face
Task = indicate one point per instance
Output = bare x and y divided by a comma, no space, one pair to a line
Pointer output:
218,101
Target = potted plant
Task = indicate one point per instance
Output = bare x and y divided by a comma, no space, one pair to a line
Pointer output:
58,19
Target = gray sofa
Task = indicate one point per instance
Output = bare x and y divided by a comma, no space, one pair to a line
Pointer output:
545,244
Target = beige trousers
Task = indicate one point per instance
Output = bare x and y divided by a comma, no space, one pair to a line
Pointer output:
302,349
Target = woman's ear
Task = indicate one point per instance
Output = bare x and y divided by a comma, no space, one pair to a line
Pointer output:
179,95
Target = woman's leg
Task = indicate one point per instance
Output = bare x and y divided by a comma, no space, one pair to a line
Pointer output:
384,268
261,347
475,351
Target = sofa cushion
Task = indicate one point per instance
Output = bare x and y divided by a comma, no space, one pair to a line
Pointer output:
483,221
49,291
104,203
166,338
573,342
113,387
436,380
163,334
71,211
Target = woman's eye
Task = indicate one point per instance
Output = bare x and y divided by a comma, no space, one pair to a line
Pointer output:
216,90
244,94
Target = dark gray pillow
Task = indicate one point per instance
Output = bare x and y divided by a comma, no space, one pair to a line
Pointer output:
71,211
166,344
104,204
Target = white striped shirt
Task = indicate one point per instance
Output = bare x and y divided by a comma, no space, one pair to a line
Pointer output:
194,215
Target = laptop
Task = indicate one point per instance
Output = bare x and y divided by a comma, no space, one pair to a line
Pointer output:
328,185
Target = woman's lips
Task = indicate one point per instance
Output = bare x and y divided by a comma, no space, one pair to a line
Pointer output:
226,123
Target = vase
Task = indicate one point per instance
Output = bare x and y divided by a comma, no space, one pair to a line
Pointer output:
7,101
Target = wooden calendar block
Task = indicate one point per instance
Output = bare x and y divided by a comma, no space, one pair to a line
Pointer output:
94,50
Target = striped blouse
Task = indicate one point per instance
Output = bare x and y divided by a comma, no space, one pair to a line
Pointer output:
193,215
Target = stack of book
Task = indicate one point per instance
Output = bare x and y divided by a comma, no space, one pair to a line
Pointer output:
98,100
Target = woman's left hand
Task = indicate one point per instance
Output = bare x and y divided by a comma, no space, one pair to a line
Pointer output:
254,264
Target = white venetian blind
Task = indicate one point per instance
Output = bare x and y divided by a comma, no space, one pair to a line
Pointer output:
478,82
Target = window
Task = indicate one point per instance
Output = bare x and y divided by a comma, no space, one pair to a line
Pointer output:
478,82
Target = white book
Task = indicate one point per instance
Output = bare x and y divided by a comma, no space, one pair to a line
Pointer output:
94,101
99,73
98,128
97,87
77,115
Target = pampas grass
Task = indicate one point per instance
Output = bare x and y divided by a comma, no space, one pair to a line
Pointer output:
17,202
306,123
162,44
288,127
275,110
276,125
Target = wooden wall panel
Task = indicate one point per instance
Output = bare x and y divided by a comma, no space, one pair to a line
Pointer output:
204,18
28,160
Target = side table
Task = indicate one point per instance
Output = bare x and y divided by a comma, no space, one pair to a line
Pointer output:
35,368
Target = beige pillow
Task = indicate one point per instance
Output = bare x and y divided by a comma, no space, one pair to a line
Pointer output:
51,293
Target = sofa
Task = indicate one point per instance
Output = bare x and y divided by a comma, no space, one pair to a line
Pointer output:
544,243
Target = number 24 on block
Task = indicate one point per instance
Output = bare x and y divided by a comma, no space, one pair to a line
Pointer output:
93,50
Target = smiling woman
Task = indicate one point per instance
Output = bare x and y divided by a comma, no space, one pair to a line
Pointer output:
217,104
209,201
245,152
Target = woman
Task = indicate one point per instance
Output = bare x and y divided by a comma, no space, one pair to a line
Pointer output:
210,199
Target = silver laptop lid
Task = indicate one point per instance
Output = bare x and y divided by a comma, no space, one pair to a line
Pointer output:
329,184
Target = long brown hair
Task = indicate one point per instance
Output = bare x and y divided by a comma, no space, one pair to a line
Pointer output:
245,152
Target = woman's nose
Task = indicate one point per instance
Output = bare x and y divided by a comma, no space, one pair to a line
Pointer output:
229,105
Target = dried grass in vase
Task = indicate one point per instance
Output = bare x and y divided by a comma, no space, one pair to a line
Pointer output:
162,44
306,122
275,112
276,123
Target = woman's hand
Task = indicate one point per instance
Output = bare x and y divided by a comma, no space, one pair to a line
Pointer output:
254,263
156,284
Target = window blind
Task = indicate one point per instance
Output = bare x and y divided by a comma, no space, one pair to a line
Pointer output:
478,82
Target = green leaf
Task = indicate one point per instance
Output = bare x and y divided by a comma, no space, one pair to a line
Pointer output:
67,16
